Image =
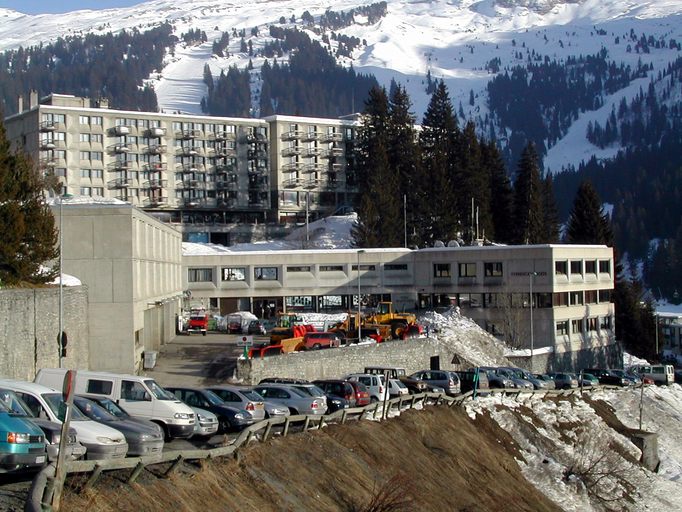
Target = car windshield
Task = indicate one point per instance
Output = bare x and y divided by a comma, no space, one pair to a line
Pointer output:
15,406
298,393
251,395
55,401
212,398
92,410
112,407
310,390
158,392
398,383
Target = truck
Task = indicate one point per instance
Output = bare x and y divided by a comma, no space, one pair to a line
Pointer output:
399,324
198,322
238,322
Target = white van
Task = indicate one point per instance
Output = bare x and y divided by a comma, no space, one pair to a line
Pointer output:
659,373
376,385
100,441
138,396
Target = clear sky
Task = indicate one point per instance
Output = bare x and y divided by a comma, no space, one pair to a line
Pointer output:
52,6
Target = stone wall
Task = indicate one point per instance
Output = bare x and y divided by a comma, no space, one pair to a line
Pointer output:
29,325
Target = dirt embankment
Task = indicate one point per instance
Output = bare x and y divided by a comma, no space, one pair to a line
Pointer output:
432,460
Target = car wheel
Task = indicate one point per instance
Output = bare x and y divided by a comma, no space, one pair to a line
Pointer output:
373,400
317,346
293,411
397,330
224,425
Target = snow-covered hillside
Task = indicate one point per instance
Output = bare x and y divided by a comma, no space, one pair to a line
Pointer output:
450,40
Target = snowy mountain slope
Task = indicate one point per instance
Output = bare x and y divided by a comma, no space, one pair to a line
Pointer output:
451,40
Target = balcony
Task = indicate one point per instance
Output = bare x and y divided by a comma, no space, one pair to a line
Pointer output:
290,183
335,168
313,183
336,152
155,167
48,162
227,202
155,184
155,132
120,148
119,183
121,129
121,165
48,126
191,185
292,166
292,135
331,137
226,153
156,149
222,135
226,169
258,186
291,151
311,135
226,185
47,144
258,203
312,151
191,168
256,154
258,171
314,168
329,185
155,201
191,202
187,134
187,151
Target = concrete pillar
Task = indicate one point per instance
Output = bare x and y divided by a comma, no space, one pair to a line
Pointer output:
648,443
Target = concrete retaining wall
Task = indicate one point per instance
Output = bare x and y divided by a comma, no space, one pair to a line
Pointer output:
29,325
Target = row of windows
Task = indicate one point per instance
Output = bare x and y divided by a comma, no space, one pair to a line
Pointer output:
196,275
540,300
490,269
580,267
92,191
582,325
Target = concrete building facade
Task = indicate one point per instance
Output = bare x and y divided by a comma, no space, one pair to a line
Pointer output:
568,286
131,265
217,179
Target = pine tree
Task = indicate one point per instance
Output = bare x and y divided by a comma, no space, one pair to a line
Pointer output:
435,197
501,194
472,181
28,232
528,199
550,211
587,223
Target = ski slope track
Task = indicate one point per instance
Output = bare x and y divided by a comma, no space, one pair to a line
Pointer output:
452,40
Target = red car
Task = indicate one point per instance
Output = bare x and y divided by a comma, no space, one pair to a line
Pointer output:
361,394
317,340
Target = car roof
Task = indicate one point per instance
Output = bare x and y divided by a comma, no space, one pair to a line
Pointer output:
26,386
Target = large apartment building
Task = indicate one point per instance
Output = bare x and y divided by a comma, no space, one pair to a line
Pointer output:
217,179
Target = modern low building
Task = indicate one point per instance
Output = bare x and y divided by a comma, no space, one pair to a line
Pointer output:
216,179
131,264
555,297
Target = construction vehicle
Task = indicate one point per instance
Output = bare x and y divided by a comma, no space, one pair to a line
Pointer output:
288,326
198,322
384,315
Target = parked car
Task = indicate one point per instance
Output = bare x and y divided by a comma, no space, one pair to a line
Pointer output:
549,382
255,327
395,372
228,418
515,376
274,410
241,398
497,380
298,402
473,379
100,441
318,340
396,388
207,423
661,373
587,380
678,376
52,430
633,378
376,386
338,387
362,397
525,375
606,377
142,439
22,443
447,381
564,380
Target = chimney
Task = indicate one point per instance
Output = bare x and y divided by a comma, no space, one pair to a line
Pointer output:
20,104
33,99
103,103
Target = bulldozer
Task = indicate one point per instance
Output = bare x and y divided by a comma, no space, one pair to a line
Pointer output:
399,323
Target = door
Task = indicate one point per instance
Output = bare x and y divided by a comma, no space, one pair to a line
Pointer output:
135,399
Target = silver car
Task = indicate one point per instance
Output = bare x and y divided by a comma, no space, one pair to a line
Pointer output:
241,398
298,402
207,423
447,381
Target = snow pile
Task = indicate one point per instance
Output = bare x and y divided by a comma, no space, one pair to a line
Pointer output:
67,280
83,200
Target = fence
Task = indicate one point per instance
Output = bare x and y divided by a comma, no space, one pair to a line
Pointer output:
40,495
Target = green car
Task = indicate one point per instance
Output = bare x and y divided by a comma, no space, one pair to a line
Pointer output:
22,444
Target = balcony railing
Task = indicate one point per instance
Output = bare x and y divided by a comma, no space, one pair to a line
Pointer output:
187,134
119,183
226,185
156,132
155,201
292,166
291,151
292,135
187,151
222,135
291,183
121,165
121,148
311,135
155,167
331,137
121,129
155,184
156,149
314,168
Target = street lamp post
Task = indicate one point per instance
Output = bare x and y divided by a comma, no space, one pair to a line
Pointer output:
361,251
60,336
530,298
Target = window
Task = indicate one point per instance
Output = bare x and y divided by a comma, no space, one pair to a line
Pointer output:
577,326
590,296
84,119
265,273
301,268
492,269
59,154
562,328
590,267
96,137
592,324
470,300
331,268
86,191
96,173
605,322
467,270
604,295
561,299
234,274
576,267
441,270
576,298
96,155
388,267
84,137
490,300
543,300
560,268
99,387
366,268
200,275
85,173
131,390
85,155
604,266
96,120
98,191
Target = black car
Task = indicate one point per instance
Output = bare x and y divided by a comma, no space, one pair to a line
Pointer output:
470,379
230,418
337,388
605,376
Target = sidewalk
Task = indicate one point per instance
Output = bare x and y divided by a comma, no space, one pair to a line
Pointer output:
195,360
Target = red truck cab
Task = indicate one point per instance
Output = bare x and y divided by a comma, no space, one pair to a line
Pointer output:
198,322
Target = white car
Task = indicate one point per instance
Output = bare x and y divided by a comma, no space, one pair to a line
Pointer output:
376,385
396,388
207,422
101,442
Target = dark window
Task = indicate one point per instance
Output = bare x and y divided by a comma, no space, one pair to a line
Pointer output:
561,299
590,267
592,324
370,268
543,300
331,268
561,268
605,322
234,274
99,387
199,275
590,296
604,266
302,268
562,328
492,269
467,270
576,267
577,326
394,266
265,273
605,295
576,298
441,270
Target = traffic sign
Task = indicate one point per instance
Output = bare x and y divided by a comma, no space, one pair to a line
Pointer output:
245,341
